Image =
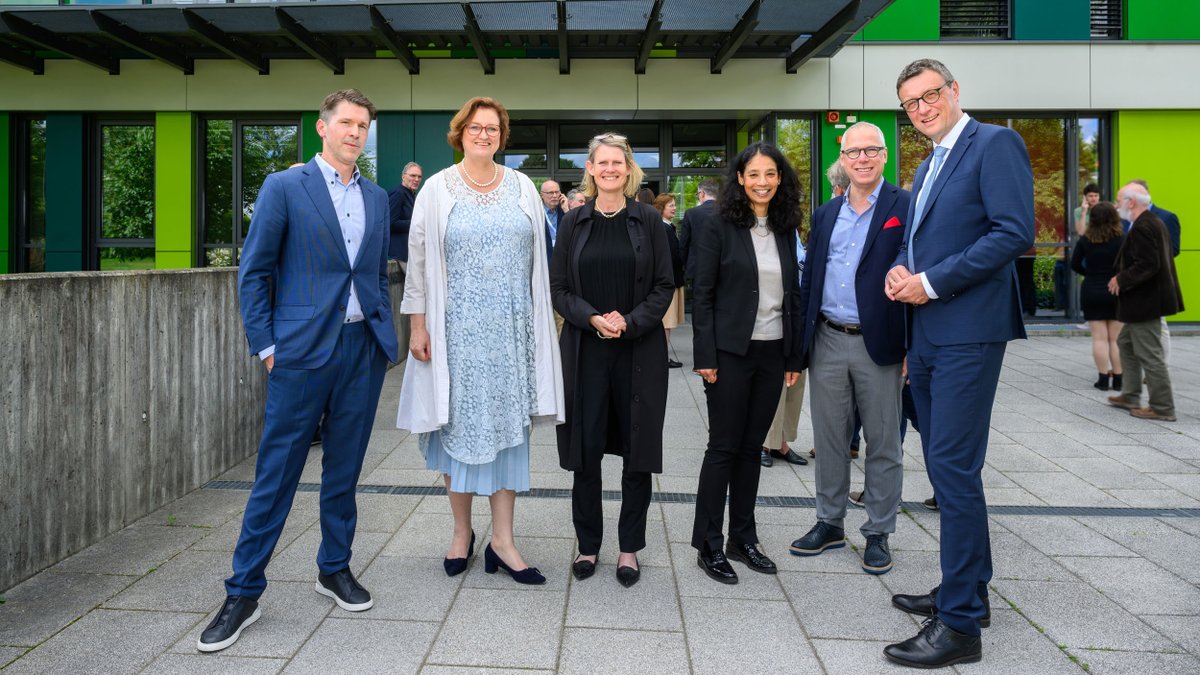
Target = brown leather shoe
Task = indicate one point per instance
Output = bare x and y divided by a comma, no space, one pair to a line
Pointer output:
1150,414
1119,401
853,452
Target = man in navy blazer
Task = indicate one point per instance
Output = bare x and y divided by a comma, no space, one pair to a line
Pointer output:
854,344
319,240
400,203
972,216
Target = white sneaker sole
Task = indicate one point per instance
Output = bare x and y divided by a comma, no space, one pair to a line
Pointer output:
218,646
360,607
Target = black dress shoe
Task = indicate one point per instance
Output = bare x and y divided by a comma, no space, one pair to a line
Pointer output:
529,575
926,605
764,458
456,566
751,556
716,566
936,645
672,363
582,569
345,591
877,558
822,536
628,576
790,457
226,627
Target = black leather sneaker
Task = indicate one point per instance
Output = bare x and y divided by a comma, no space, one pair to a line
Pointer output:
822,536
226,627
345,591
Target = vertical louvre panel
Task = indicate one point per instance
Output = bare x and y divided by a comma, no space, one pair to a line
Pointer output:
975,19
1106,19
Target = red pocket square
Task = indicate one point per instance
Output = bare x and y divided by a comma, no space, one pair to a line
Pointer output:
893,222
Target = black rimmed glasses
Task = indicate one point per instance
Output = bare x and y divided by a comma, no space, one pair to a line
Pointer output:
930,97
871,152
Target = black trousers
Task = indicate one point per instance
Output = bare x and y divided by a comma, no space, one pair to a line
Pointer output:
604,391
741,405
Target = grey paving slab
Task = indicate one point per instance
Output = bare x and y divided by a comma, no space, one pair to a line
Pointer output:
1062,536
207,508
1013,558
1077,615
819,600
133,550
1063,489
473,670
298,562
1157,499
92,639
1186,483
291,611
693,582
856,656
552,557
384,513
601,602
1013,645
1183,630
1104,472
512,629
1156,541
427,535
412,589
1147,460
1102,662
8,654
719,642
189,582
588,650
1137,585
40,607
225,537
366,646
202,664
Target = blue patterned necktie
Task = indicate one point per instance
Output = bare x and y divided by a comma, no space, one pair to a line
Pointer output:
939,153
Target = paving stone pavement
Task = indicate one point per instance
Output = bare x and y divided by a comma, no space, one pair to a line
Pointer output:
1075,589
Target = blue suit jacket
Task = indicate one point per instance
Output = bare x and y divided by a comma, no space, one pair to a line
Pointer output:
978,220
296,243
1171,222
882,320
400,204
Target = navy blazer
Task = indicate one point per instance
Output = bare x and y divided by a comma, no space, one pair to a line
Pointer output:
1171,222
296,241
978,220
687,233
882,320
400,204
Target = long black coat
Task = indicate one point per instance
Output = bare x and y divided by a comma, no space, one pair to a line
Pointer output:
1146,273
654,283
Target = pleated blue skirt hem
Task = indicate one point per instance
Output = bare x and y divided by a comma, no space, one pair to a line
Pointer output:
508,471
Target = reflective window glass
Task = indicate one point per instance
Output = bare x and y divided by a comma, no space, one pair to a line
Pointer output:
266,148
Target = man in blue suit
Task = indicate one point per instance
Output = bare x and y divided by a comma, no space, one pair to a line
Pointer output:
319,237
854,346
400,204
972,216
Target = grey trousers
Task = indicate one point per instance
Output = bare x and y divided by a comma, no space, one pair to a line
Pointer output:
841,375
1141,346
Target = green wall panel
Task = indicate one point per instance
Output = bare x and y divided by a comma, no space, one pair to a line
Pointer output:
6,183
1162,20
906,20
65,190
174,189
430,148
394,144
831,134
1137,153
1058,20
310,140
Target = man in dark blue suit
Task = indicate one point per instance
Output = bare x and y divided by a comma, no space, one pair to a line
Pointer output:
400,205
319,236
706,194
972,216
854,344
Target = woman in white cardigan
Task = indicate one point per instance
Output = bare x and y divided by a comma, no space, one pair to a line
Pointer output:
485,360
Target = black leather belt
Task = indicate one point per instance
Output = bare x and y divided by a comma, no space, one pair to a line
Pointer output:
848,330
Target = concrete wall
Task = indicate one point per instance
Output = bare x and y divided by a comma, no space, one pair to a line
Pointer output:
119,392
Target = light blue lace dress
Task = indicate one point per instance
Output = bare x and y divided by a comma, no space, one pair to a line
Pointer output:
489,342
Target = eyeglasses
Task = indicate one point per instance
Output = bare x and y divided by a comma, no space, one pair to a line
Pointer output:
610,137
871,152
552,192
478,129
932,96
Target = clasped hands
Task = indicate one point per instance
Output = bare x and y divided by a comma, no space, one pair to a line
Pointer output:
901,285
609,325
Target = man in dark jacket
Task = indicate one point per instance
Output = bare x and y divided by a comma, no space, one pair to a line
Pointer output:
400,203
706,194
1147,289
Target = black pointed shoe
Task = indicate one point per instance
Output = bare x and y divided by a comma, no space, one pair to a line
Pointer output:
716,566
226,627
345,591
790,457
936,645
582,569
751,556
456,566
822,536
492,561
628,576
926,605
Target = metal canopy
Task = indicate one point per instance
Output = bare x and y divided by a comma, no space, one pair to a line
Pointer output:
180,32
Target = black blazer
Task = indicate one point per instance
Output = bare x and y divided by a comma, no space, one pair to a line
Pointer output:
1146,273
687,233
882,319
725,292
676,255
400,203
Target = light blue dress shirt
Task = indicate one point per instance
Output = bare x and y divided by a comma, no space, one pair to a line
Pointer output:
839,301
552,220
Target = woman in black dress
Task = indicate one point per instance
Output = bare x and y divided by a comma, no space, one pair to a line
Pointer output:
610,279
1095,257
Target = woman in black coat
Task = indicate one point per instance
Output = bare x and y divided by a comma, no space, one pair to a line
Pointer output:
1095,257
610,279
746,322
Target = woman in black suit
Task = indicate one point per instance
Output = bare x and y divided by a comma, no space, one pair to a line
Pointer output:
1095,257
746,319
610,279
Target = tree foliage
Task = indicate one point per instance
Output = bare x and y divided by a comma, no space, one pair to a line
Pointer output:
127,184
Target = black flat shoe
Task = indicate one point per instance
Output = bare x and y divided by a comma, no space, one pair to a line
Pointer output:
492,562
226,627
628,576
751,556
764,458
936,645
345,591
716,566
790,457
582,569
671,363
926,605
456,566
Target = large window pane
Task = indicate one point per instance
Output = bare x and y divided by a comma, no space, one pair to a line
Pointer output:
914,148
794,139
526,148
574,139
122,258
368,161
218,182
266,148
127,183
35,217
698,146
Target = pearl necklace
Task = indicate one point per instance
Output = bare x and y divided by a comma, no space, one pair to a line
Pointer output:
608,215
495,174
